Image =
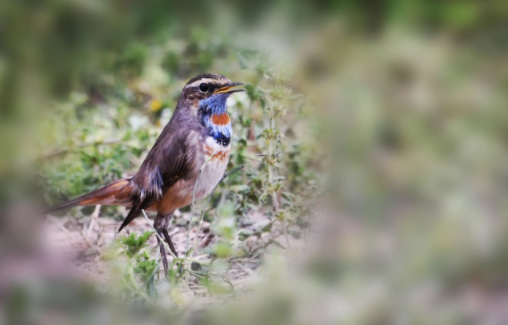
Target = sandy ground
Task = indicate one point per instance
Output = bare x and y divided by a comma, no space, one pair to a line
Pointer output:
80,244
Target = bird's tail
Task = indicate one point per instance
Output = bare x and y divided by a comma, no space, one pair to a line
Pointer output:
116,193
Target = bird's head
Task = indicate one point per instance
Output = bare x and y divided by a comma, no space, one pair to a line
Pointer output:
209,92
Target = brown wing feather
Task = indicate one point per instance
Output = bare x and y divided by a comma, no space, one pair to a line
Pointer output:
166,163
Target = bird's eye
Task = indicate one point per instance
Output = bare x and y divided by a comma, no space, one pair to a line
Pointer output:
203,87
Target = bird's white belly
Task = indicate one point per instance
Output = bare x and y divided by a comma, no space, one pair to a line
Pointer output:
213,168
210,176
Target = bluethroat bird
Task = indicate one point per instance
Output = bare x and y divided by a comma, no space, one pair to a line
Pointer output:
198,137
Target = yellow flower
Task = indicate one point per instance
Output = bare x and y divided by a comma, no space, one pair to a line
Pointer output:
155,105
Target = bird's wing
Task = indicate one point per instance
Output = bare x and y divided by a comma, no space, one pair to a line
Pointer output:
167,162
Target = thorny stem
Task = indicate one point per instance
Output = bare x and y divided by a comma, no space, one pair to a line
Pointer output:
271,163
194,200
192,210
191,251
194,244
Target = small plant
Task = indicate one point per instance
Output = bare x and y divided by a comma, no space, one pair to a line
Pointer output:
134,266
133,244
270,177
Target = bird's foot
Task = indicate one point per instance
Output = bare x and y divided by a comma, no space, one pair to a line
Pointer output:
163,233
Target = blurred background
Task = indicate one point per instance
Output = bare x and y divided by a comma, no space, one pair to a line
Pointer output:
374,140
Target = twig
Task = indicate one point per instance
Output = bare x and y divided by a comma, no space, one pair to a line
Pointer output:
194,244
191,251
99,235
80,232
194,200
192,210
202,215
94,216
62,227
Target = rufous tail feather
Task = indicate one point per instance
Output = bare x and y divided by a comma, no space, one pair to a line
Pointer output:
105,196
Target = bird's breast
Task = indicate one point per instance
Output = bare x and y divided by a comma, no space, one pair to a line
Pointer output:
215,160
212,159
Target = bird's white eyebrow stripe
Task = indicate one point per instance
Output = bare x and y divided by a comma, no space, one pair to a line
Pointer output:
200,81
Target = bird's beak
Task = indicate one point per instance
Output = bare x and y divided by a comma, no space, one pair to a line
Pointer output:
226,88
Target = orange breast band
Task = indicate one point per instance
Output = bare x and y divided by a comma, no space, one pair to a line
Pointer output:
222,119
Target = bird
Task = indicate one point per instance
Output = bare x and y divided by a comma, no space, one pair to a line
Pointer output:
194,145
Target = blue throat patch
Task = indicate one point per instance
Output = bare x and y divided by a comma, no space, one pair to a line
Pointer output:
216,105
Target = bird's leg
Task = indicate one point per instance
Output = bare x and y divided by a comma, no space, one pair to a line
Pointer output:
170,243
163,252
161,225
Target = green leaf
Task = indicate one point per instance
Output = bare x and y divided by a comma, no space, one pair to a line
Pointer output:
134,243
